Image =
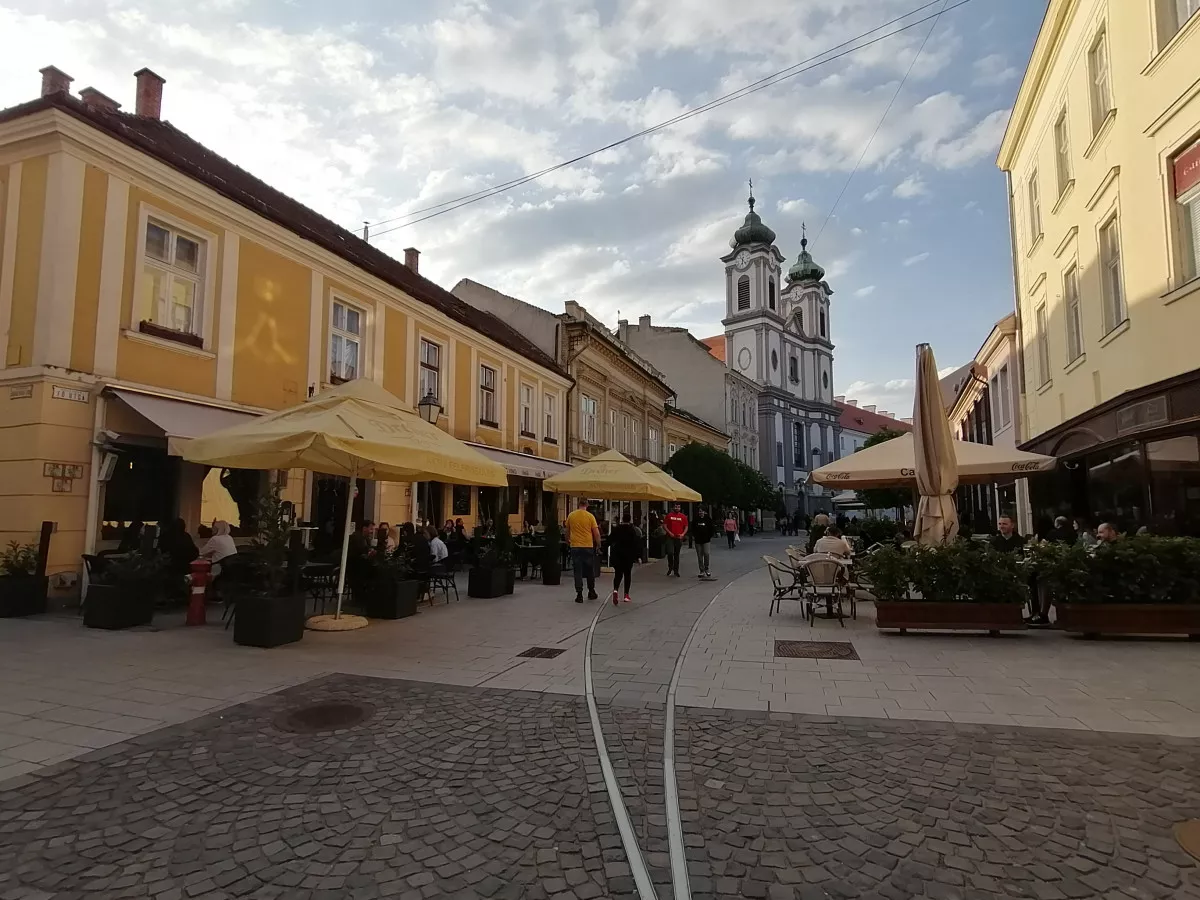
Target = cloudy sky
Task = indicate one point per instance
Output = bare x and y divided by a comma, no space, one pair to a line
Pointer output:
374,110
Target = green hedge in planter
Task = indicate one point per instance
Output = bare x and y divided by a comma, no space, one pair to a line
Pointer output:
1139,569
959,572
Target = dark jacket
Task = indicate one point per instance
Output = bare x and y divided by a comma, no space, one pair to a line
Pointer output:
1011,544
625,543
703,529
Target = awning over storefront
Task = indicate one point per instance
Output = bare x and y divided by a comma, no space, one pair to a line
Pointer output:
180,420
523,465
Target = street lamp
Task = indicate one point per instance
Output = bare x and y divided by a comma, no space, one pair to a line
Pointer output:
429,408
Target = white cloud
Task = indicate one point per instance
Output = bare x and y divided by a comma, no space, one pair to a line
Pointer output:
895,395
910,187
993,70
795,207
873,194
865,291
919,258
856,231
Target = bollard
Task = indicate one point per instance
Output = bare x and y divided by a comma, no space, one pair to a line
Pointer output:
201,571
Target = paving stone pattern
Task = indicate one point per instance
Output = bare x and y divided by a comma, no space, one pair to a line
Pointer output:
445,792
807,807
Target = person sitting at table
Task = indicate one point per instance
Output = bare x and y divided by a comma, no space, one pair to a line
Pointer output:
393,539
460,531
1007,540
219,546
381,535
131,537
833,543
177,545
438,551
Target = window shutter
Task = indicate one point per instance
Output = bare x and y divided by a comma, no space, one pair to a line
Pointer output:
744,292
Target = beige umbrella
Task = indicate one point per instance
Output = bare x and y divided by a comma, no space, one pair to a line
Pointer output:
609,476
936,465
682,491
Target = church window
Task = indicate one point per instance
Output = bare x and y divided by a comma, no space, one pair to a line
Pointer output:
825,379
822,323
744,292
798,445
771,293
794,370
774,360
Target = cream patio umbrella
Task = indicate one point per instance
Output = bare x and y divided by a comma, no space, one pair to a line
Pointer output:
609,476
682,491
356,429
936,464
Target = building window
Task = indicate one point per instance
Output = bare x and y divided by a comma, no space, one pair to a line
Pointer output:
588,411
1073,312
797,445
822,323
1187,200
793,370
1001,409
733,409
771,293
1062,151
745,414
1005,397
549,417
744,292
1035,208
779,453
774,360
1177,14
652,444
431,369
345,343
1099,76
172,282
635,437
1042,337
487,397
623,446
527,410
612,429
670,450
1110,271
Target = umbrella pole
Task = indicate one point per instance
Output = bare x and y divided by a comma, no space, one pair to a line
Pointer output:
346,539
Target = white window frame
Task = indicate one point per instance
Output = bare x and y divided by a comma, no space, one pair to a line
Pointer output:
652,444
1042,342
422,368
1062,150
549,416
336,332
670,450
1033,196
1180,13
589,413
488,393
1188,211
635,437
623,434
1099,68
1073,312
525,395
1005,395
206,295
1112,273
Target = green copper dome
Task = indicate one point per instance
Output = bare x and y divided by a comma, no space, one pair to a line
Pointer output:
804,268
753,231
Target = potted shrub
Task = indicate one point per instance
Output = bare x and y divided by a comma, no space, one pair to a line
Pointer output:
22,589
125,593
552,554
390,590
492,574
963,586
1140,585
268,606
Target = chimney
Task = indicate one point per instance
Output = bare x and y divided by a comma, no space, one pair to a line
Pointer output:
840,398
97,100
886,414
412,258
643,322
149,93
852,402
907,420
55,80
870,408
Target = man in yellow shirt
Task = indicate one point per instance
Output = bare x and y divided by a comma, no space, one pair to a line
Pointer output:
583,535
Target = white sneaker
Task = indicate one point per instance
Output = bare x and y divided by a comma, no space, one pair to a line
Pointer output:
627,600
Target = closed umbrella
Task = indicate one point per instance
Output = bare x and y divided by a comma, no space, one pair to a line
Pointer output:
682,491
936,467
356,429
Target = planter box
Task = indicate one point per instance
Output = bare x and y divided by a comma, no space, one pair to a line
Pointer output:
115,606
922,615
1129,618
392,600
489,582
551,574
22,595
263,621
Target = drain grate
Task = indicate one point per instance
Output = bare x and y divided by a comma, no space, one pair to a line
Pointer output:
542,652
815,650
329,716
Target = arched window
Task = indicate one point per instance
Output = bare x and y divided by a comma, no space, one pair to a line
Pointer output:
771,293
822,323
744,292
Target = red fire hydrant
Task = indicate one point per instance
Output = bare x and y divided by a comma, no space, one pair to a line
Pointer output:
201,572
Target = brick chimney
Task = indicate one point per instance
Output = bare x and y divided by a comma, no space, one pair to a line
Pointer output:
412,259
643,322
97,100
149,93
55,80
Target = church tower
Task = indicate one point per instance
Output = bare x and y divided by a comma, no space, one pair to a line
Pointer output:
807,314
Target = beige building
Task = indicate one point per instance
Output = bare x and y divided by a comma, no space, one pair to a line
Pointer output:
1103,157
683,428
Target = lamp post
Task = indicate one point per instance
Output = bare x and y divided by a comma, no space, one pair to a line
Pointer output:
429,410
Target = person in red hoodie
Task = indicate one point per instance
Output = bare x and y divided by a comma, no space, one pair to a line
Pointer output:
676,525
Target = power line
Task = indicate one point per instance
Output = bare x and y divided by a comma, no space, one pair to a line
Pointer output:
763,83
887,110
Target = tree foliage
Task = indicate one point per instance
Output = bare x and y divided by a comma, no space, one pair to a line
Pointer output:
884,498
722,480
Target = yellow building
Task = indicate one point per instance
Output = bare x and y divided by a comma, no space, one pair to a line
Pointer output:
683,428
1102,153
151,291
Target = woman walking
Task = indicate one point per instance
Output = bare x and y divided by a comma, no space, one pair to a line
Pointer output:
731,528
625,548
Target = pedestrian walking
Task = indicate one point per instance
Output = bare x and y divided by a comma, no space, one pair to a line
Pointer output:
676,525
731,528
702,533
624,549
583,535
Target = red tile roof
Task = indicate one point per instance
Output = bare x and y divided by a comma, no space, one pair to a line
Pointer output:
715,345
855,418
170,145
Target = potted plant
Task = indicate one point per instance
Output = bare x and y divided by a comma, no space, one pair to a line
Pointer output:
390,591
963,586
492,574
1140,585
125,593
552,554
22,589
268,606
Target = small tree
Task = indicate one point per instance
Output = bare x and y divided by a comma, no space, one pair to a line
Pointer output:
884,498
755,491
714,474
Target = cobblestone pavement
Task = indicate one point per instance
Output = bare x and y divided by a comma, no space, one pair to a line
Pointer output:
444,792
804,807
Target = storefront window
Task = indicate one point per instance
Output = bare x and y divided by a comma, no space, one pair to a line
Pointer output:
1174,469
1116,486
143,488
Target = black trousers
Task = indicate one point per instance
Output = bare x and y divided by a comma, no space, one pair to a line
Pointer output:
730,535
624,572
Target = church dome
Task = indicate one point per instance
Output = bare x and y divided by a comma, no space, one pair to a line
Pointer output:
804,269
753,231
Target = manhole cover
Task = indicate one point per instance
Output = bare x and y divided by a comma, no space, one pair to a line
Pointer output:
542,652
815,650
331,716
1188,835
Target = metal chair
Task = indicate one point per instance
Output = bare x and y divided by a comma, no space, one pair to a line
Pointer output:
441,579
826,581
786,583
